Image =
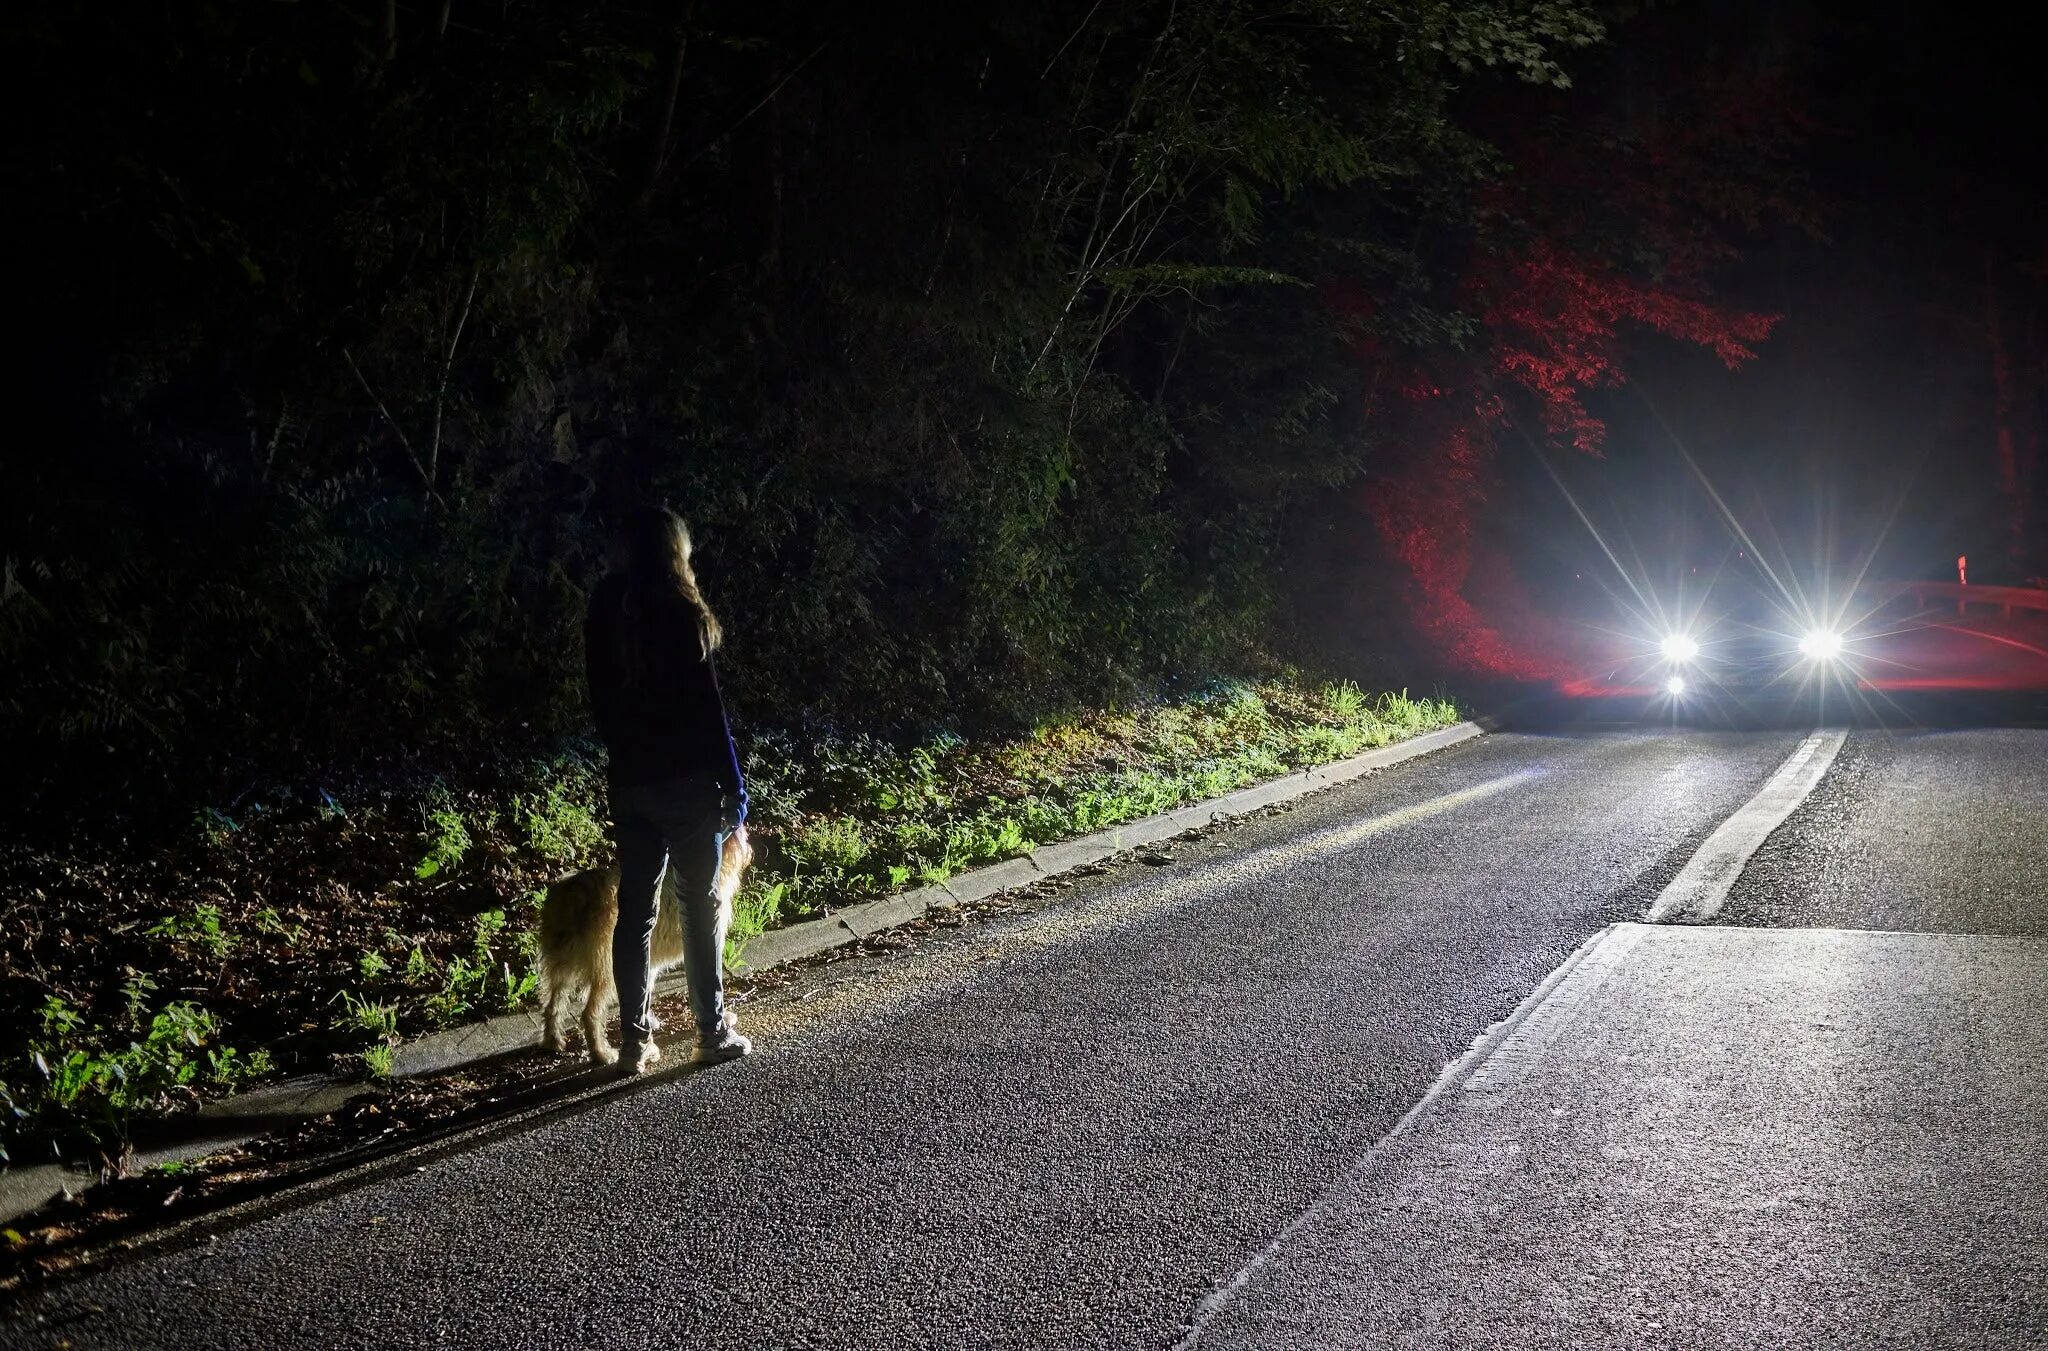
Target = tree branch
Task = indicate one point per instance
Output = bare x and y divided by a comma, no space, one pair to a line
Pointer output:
284,412
447,365
1085,21
388,51
657,155
748,115
419,468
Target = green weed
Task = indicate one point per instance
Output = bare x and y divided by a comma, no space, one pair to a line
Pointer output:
226,1066
464,984
1000,839
911,782
201,930
488,926
370,1017
214,827
1344,699
758,907
270,923
446,838
519,988
832,844
560,822
92,1080
376,1061
135,993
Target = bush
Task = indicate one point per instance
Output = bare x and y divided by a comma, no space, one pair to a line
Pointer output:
89,1085
327,449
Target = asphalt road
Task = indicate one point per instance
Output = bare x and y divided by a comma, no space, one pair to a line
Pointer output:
1707,1137
1942,830
1084,1124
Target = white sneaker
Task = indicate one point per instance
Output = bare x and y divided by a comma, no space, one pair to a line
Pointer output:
637,1058
724,1041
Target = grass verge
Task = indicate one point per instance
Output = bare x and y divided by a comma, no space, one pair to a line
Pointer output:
318,929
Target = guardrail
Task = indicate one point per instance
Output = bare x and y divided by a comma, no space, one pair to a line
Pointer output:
2004,599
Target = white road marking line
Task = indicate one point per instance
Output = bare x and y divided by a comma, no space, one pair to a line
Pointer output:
1482,1049
1707,877
1521,1047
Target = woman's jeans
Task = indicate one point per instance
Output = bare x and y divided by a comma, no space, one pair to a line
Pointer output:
656,825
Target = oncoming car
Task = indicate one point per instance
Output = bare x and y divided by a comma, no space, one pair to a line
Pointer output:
1742,643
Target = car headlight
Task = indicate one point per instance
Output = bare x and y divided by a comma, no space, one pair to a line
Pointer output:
1679,647
1821,644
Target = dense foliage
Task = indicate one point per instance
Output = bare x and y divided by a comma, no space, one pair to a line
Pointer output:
1008,361
1002,357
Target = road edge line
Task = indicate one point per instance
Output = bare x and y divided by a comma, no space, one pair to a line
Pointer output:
1457,1071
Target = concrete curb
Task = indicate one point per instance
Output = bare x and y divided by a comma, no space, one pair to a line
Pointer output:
216,1126
243,1116
811,937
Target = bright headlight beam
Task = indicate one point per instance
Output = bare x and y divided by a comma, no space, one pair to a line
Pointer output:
1821,644
1679,647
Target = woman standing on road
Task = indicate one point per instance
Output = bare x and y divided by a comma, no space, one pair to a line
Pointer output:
676,787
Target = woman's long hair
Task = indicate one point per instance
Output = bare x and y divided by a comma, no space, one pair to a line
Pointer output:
655,558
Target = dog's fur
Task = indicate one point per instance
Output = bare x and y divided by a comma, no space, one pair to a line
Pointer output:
576,927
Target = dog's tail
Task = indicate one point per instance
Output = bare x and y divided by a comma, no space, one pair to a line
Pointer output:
733,861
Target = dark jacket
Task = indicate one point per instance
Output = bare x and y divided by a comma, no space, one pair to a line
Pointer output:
666,720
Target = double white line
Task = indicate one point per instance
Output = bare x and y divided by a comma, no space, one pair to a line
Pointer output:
1704,882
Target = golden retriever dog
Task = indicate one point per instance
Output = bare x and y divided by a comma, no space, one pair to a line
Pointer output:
576,926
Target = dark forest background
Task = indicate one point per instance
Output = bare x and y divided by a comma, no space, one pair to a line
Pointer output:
1002,358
